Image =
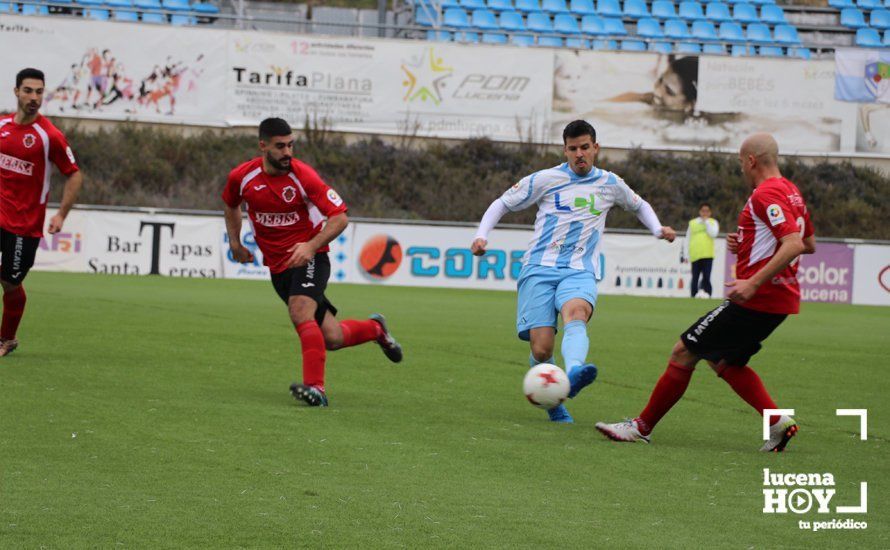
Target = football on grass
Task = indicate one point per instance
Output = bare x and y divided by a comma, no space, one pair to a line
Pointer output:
546,386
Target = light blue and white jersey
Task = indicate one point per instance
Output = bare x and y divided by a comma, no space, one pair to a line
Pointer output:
571,214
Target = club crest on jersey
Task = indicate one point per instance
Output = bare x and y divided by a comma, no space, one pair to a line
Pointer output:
334,198
289,193
775,214
29,140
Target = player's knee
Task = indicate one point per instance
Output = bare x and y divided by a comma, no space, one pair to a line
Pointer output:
542,351
332,342
682,356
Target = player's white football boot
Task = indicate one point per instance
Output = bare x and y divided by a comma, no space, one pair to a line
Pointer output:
627,431
780,434
8,346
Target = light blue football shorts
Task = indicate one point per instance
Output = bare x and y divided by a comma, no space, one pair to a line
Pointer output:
543,290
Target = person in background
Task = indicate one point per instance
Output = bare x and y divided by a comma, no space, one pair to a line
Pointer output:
700,237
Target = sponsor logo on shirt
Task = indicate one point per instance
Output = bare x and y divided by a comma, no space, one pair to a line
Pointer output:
289,193
16,165
259,187
29,140
775,214
276,219
334,198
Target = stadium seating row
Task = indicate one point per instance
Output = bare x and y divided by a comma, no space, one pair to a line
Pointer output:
624,45
864,4
119,10
593,25
855,18
631,8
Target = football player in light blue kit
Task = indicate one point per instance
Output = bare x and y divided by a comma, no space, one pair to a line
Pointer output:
561,266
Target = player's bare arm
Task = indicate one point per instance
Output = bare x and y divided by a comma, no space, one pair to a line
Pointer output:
302,253
741,290
240,253
809,245
732,242
69,197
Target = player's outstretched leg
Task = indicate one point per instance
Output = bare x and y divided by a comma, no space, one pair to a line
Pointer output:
558,413
13,308
575,345
628,430
388,344
780,434
311,395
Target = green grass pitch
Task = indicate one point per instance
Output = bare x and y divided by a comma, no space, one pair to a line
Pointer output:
154,412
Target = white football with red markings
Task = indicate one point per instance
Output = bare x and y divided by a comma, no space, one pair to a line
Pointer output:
546,386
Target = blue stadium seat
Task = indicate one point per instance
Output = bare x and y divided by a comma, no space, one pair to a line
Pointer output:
799,53
841,4
763,2
500,5
528,6
577,43
122,15
614,27
472,4
205,8
565,23
554,6
605,45
494,38
887,38
633,46
739,50
744,12
592,25
853,18
444,5
649,28
714,49
522,40
731,32
182,20
484,20
786,35
467,37
424,17
119,4
608,7
661,47
549,42
439,36
456,18
512,21
869,4
868,38
717,12
688,47
635,8
6,7
691,10
704,31
663,9
759,34
539,22
99,3
771,51
154,18
142,5
34,9
582,7
676,29
880,19
175,5
97,14
773,14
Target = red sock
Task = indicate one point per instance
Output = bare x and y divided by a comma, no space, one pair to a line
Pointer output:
669,389
357,332
312,342
13,309
745,382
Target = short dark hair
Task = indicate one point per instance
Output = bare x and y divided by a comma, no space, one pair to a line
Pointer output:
272,127
578,128
702,205
36,74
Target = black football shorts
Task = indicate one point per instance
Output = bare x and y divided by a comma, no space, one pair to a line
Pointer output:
730,333
17,254
310,280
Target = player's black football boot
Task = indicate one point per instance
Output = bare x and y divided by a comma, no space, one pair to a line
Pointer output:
310,395
388,344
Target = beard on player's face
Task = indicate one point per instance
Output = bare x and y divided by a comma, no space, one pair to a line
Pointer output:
281,163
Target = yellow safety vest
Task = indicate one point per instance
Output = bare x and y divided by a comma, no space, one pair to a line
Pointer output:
701,245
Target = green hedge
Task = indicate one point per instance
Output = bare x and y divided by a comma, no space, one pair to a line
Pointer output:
141,166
